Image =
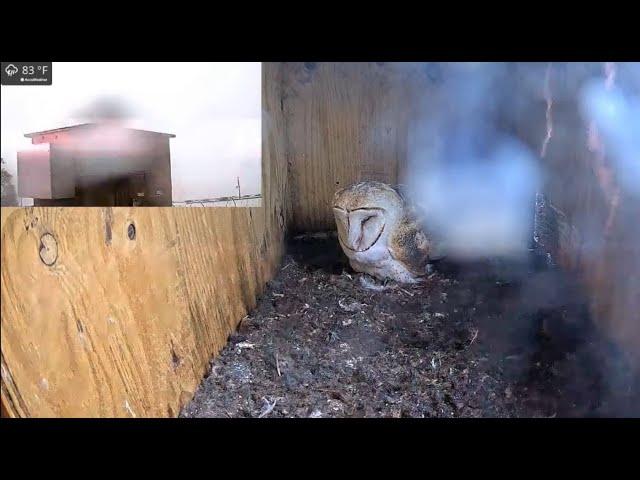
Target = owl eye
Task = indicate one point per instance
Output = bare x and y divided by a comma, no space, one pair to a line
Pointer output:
367,219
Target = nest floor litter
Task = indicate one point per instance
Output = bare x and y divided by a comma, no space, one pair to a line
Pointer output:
488,339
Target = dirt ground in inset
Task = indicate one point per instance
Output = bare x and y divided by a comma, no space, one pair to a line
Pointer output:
492,338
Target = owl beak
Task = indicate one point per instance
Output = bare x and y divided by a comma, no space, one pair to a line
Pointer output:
355,236
356,241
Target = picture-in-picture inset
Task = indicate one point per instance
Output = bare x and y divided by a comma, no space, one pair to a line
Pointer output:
134,134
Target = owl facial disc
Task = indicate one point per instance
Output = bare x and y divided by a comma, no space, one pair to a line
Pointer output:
359,229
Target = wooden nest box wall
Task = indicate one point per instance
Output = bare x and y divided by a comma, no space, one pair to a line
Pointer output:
116,312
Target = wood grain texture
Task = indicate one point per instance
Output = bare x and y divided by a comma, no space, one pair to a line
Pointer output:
125,328
345,122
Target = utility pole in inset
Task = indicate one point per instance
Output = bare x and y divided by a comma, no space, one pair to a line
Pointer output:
238,187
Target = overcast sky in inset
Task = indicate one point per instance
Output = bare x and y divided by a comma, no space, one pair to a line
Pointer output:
214,109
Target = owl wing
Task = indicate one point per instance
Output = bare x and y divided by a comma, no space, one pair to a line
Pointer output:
409,245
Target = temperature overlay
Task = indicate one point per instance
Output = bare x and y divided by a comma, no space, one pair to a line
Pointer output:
26,73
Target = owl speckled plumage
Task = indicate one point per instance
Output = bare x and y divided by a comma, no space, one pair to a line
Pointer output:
380,235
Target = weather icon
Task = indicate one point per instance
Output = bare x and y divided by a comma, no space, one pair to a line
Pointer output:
11,69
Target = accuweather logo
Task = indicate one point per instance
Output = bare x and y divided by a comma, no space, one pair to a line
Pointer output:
11,69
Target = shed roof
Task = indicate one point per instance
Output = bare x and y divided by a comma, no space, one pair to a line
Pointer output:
44,136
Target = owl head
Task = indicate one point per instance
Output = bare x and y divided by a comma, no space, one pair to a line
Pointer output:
366,213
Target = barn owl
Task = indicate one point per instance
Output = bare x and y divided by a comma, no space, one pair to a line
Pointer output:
379,234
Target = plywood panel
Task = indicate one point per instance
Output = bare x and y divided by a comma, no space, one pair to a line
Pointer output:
345,122
116,325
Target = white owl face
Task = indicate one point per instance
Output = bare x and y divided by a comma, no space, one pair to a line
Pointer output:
361,228
365,213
